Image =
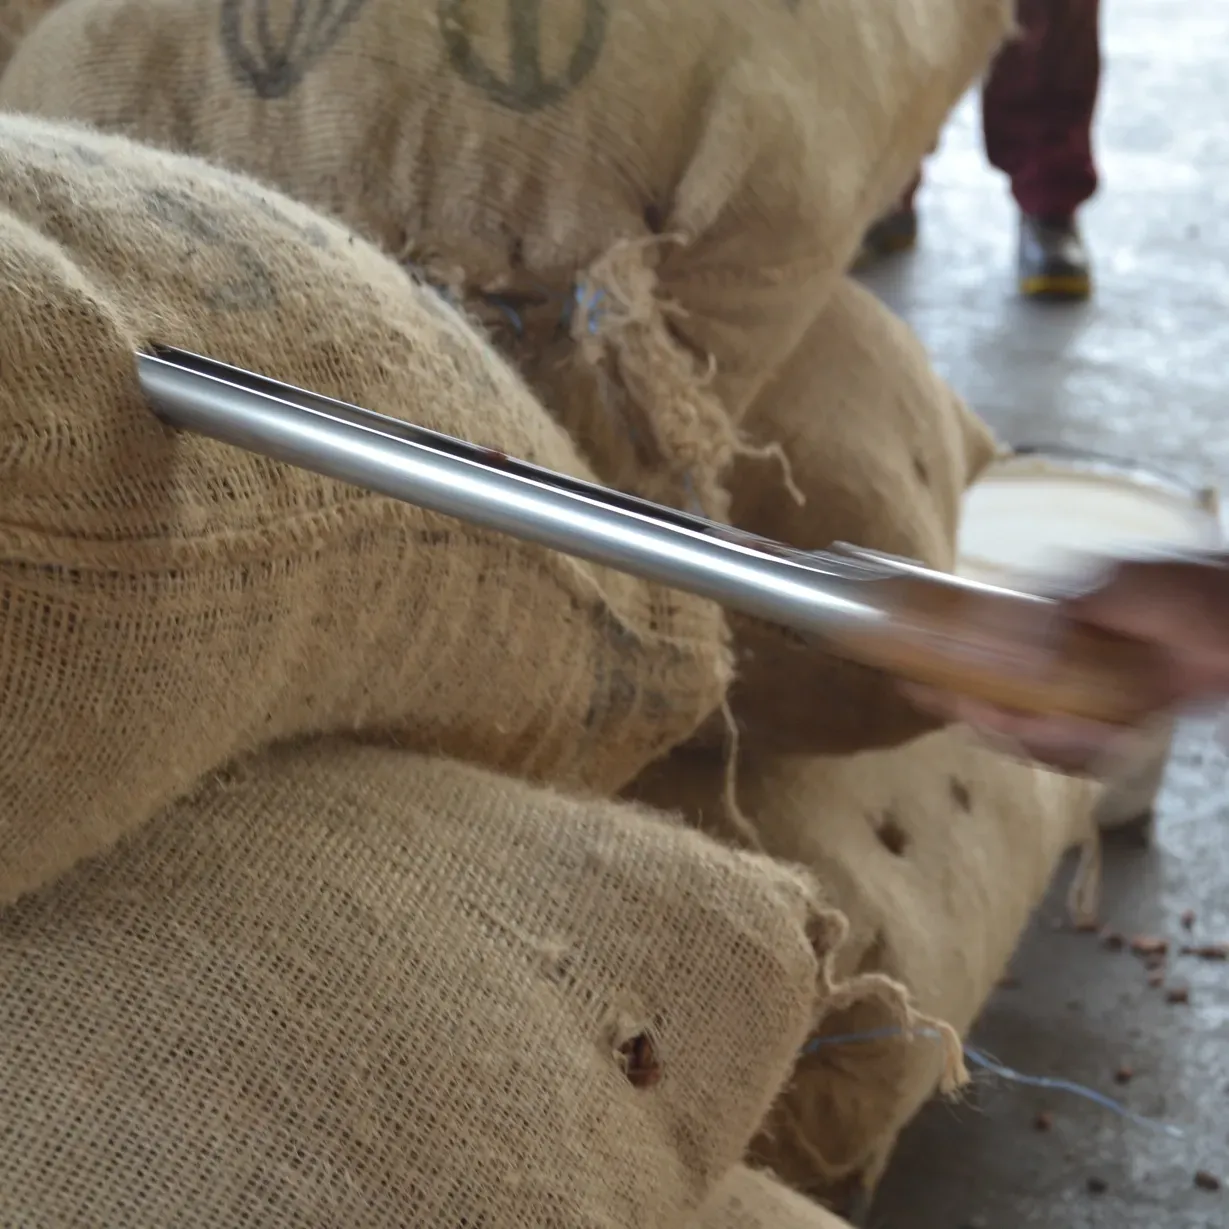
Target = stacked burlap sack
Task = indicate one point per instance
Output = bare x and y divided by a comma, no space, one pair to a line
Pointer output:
137,564
936,851
355,986
17,17
278,945
678,184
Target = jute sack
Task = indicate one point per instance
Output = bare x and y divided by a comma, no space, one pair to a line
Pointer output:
937,852
16,17
356,986
687,176
754,1199
883,450
167,603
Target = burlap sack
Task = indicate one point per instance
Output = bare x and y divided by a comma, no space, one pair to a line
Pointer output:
167,603
355,986
679,181
17,17
754,1199
883,451
937,852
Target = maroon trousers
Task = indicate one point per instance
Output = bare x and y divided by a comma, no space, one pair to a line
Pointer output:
1038,104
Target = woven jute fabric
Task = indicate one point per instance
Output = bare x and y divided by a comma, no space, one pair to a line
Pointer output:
346,985
937,852
16,18
882,451
168,602
755,1199
671,184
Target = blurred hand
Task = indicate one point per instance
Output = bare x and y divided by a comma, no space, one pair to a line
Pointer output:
1179,606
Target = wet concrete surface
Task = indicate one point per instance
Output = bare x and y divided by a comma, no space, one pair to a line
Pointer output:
1143,371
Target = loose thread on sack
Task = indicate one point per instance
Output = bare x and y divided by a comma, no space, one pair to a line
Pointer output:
735,817
589,303
1084,895
989,1065
586,303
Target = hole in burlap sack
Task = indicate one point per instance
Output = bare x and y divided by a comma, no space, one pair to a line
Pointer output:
638,1058
655,218
891,835
919,468
960,794
635,1050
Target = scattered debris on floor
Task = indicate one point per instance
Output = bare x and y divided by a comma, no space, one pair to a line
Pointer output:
1207,951
1149,946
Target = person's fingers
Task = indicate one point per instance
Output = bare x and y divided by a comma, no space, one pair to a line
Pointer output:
1163,600
1066,743
1178,606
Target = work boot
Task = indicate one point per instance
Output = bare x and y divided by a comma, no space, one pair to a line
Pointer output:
1053,262
895,232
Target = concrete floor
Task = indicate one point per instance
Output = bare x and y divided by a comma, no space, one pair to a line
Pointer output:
1144,371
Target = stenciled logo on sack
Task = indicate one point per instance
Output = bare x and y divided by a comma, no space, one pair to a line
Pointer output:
273,51
525,83
252,287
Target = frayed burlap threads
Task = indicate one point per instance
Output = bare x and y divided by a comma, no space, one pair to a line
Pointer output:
782,119
835,1125
842,994
622,327
742,827
865,1038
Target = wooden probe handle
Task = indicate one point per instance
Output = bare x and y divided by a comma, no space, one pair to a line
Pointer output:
1010,650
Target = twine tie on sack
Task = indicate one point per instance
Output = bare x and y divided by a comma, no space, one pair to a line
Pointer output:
985,1062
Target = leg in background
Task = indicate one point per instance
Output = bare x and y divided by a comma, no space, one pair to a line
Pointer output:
1037,112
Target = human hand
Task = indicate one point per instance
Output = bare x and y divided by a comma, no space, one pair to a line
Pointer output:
1178,606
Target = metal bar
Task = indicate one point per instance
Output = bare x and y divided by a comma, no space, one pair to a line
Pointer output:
480,486
913,622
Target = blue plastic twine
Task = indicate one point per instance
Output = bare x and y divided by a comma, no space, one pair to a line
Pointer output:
587,302
985,1063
